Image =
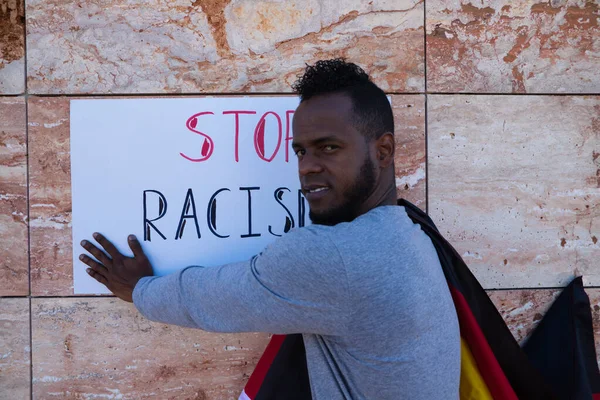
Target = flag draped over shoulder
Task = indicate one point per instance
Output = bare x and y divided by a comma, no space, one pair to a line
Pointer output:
557,362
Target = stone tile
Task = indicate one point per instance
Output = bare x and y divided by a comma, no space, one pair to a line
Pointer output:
14,349
409,119
101,347
50,183
14,263
503,46
217,46
524,309
514,184
50,197
12,47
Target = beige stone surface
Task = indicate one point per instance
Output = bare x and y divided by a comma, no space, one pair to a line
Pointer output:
14,349
103,348
504,46
50,183
12,46
14,264
50,197
409,120
514,184
524,309
217,46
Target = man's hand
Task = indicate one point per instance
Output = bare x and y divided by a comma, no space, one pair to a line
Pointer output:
115,271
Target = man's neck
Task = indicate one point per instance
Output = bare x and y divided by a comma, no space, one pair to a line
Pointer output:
378,199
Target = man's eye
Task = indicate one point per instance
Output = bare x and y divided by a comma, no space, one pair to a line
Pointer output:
300,152
330,147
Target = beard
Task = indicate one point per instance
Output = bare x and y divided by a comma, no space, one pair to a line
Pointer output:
354,197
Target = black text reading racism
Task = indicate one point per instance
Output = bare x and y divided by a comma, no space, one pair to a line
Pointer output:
192,215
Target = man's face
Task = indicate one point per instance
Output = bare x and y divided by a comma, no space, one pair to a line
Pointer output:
334,162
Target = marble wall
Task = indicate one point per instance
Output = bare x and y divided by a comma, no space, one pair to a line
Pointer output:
497,108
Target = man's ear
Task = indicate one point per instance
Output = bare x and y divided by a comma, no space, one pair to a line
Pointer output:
385,146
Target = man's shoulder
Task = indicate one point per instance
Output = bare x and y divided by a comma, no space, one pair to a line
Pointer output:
370,227
383,220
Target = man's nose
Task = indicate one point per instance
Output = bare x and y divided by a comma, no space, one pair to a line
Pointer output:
309,164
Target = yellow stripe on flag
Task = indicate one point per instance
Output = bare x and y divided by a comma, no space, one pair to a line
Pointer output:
472,386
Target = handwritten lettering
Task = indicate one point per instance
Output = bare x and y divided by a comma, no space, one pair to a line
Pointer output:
289,219
162,210
259,128
259,137
211,214
236,151
155,203
208,145
185,215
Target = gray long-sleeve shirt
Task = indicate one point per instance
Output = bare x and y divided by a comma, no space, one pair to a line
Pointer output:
369,297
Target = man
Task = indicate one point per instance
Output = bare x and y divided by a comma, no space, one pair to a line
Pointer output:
363,284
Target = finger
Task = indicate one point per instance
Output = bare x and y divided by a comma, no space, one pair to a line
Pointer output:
107,245
97,276
96,252
94,265
136,247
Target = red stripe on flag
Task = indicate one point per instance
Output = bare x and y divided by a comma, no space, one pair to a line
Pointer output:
488,366
258,376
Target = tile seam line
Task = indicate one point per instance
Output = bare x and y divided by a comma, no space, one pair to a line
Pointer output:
87,297
425,45
425,99
233,94
27,158
426,154
30,348
511,94
29,297
262,94
538,288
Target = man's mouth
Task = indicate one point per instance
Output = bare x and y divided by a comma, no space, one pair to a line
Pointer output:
314,192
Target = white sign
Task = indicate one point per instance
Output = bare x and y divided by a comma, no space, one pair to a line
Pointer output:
199,181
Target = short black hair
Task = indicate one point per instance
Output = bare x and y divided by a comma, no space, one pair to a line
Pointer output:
372,112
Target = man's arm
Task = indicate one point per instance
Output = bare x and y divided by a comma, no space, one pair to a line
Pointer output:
297,284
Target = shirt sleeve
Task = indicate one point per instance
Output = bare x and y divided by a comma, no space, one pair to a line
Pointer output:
298,284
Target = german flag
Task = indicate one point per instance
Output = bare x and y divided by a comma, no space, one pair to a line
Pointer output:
562,346
557,362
